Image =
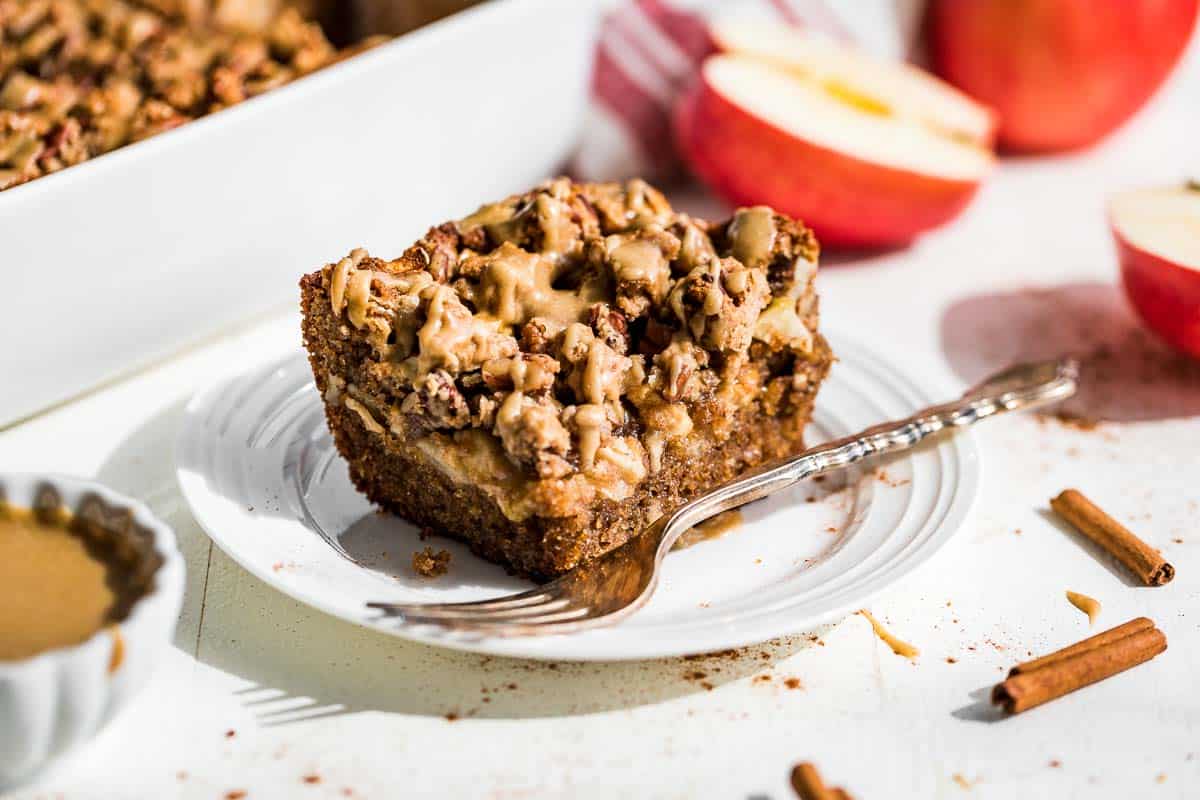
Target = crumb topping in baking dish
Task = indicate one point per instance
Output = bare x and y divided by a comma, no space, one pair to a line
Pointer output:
577,330
79,78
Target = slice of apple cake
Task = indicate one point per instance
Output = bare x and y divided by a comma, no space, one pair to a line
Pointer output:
547,376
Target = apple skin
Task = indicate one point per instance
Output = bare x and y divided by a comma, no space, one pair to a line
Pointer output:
1165,295
1062,74
847,201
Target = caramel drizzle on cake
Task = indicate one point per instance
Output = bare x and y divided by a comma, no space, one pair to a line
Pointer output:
659,260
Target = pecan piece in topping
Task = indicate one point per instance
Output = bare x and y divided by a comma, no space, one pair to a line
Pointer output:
695,247
539,333
720,303
655,338
525,372
533,436
438,402
640,264
610,327
675,369
622,207
597,371
441,247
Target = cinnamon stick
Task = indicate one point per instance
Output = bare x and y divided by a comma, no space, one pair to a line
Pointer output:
1146,563
1035,682
808,784
1091,643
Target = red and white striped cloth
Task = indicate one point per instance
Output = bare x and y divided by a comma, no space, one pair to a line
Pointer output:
649,50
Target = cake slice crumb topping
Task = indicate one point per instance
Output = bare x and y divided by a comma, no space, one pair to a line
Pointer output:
581,331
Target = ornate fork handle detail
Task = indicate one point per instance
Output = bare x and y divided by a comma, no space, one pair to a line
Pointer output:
1000,394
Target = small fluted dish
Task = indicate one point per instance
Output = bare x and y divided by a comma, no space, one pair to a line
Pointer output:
57,700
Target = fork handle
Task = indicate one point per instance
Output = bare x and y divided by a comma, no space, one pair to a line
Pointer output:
888,437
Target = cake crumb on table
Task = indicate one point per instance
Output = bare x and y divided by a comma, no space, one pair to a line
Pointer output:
429,564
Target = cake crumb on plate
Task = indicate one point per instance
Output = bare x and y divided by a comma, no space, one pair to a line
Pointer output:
430,564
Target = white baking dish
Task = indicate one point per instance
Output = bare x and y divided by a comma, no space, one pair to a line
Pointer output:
119,261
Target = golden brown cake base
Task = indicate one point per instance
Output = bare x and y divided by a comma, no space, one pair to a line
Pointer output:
402,480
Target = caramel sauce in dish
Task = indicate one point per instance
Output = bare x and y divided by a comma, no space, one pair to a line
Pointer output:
54,592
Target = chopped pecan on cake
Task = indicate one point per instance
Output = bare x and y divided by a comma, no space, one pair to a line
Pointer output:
545,377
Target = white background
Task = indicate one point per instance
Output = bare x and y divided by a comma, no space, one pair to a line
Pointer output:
1029,269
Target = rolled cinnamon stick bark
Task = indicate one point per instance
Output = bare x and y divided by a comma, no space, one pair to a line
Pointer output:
808,784
1091,643
1146,563
1039,681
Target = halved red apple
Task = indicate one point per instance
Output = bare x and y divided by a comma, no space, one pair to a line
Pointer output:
866,152
1158,241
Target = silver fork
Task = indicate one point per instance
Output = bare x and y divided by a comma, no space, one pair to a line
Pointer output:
610,588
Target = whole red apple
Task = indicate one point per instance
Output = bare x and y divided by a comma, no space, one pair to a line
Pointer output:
1061,73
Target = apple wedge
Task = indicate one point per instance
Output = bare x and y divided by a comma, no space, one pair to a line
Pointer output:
867,152
1158,242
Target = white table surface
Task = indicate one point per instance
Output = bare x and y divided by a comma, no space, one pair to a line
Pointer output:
261,692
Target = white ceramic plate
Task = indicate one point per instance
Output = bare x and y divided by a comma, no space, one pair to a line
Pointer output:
258,466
